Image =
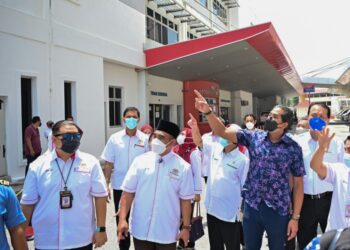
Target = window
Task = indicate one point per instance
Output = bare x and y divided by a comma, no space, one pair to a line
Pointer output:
203,2
219,9
26,104
190,36
67,99
160,29
115,100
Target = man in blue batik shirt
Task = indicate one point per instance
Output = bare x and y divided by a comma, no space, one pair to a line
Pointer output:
11,216
274,156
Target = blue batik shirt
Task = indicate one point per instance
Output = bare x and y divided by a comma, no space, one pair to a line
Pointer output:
10,213
269,169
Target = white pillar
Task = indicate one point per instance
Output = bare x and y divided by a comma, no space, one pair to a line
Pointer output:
143,93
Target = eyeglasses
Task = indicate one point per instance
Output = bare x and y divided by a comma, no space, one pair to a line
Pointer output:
70,136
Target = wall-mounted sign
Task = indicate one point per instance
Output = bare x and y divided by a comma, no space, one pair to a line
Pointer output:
310,88
159,93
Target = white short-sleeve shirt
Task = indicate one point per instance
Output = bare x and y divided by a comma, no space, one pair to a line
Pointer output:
196,167
121,149
312,184
158,186
57,228
207,138
226,177
338,175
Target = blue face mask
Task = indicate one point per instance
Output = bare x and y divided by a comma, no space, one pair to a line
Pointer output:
223,142
131,123
347,159
317,123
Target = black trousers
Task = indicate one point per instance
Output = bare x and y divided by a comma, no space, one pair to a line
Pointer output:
148,245
223,235
123,244
313,212
88,247
30,159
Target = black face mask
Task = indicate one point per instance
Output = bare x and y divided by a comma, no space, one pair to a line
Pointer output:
40,124
70,146
270,125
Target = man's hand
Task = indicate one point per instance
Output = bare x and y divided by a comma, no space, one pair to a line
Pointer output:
32,153
324,139
123,230
197,198
292,229
192,122
184,235
99,239
201,104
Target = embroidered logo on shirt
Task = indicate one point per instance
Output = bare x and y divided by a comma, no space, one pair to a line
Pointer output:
140,143
231,165
174,174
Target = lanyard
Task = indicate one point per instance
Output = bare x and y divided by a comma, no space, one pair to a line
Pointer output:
65,180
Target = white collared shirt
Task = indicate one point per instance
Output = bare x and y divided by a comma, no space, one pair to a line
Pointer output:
338,175
158,186
196,165
207,138
226,177
312,184
121,149
57,228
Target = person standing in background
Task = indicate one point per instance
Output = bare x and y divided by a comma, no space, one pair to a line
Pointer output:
118,154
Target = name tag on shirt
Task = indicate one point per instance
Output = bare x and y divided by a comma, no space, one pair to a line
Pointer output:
82,168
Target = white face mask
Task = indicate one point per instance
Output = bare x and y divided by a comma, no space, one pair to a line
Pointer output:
181,139
158,146
301,130
249,125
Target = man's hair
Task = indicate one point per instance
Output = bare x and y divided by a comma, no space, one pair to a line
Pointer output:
347,139
247,115
35,119
56,127
50,123
69,117
287,116
131,109
321,105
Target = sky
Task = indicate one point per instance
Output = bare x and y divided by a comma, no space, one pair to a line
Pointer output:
315,33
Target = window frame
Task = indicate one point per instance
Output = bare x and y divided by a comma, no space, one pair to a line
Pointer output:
117,121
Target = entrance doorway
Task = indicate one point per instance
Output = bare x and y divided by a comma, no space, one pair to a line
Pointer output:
224,113
3,170
157,112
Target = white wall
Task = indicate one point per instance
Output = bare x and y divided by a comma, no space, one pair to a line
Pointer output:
171,87
126,78
240,111
68,42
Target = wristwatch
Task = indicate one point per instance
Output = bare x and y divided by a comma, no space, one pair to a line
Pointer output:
186,227
295,217
209,112
100,229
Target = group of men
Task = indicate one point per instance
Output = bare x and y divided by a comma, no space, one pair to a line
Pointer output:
279,177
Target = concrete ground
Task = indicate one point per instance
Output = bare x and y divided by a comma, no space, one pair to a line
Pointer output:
341,130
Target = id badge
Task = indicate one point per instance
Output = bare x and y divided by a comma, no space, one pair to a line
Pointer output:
66,199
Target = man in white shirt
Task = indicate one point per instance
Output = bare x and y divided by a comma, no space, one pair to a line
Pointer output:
227,172
160,186
317,193
65,194
338,175
118,154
